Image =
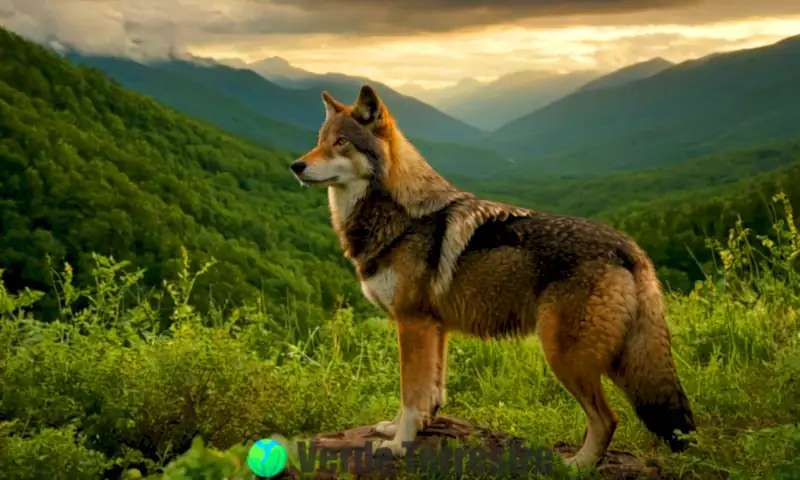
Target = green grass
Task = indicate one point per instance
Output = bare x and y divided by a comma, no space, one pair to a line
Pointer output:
104,391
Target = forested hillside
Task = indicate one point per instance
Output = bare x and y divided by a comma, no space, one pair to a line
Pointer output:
674,228
188,95
728,100
90,167
590,197
243,103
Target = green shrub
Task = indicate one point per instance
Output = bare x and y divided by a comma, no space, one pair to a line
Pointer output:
109,391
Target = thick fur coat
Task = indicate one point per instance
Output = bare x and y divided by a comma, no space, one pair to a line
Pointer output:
441,260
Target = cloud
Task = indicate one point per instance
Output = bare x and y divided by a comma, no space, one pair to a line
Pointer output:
440,60
403,17
432,42
159,27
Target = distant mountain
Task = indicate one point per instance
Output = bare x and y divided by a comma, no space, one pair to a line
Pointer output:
628,74
244,103
301,107
278,70
413,90
278,67
695,108
232,62
492,105
435,96
405,105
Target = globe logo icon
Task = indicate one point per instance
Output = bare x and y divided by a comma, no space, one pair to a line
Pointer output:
267,458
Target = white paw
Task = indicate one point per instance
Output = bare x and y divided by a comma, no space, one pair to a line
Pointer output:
396,447
582,461
386,427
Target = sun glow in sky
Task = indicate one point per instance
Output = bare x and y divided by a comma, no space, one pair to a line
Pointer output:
427,42
438,60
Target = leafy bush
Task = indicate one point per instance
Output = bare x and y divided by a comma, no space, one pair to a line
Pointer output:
106,391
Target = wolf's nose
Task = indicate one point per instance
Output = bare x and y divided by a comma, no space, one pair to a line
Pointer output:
298,167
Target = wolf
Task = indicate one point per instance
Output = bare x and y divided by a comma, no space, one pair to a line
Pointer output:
439,260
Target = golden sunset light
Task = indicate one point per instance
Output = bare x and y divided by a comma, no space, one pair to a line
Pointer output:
426,43
439,60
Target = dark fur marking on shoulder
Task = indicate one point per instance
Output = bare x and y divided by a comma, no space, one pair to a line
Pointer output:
385,251
493,234
374,230
558,243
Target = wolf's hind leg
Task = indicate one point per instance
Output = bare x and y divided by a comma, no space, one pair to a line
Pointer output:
601,420
420,340
580,345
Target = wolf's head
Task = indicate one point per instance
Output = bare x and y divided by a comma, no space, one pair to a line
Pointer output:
360,145
353,143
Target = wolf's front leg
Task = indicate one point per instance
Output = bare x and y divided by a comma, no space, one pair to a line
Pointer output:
441,373
420,340
389,427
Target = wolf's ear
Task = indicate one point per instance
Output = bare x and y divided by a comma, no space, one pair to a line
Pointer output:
332,107
368,108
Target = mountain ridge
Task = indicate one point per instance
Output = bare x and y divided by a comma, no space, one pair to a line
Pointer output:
622,126
224,104
628,74
300,107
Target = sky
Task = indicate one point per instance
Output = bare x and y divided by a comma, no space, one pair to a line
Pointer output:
431,43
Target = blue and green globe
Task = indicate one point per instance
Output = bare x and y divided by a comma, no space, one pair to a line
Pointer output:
267,458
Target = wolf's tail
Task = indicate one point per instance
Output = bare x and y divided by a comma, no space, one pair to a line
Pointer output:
646,371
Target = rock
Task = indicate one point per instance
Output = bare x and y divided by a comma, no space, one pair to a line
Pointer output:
615,465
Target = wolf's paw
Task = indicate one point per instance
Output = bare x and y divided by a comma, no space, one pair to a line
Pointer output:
582,461
386,427
395,446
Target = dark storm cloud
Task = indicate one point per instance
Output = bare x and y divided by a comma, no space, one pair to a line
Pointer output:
402,17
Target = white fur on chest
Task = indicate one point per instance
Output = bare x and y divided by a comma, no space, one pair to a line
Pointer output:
380,288
342,200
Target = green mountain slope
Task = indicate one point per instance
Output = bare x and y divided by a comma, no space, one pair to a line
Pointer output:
594,196
300,107
726,100
631,73
187,95
247,105
422,120
86,166
674,228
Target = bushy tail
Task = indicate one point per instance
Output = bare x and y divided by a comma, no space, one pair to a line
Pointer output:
646,371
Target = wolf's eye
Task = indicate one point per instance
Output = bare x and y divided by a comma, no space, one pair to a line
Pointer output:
340,141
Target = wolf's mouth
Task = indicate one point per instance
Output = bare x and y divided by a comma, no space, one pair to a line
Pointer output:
324,180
